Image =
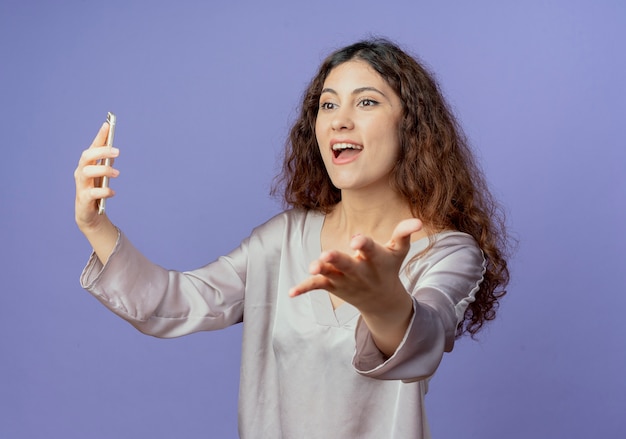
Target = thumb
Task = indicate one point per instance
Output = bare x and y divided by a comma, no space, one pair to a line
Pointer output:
401,236
101,137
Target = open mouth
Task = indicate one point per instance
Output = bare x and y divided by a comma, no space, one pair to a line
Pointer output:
346,150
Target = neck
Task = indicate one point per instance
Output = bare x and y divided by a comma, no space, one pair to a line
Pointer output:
369,215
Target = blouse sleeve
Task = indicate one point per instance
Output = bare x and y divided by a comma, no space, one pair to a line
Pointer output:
442,284
166,303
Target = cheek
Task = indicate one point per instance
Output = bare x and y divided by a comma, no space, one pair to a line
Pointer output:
390,136
393,153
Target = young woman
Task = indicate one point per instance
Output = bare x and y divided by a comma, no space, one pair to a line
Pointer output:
392,247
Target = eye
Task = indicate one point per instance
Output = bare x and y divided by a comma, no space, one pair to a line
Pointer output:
367,102
327,106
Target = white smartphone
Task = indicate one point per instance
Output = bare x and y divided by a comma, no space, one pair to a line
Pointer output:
111,120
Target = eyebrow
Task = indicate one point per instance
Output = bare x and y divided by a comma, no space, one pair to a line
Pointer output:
356,91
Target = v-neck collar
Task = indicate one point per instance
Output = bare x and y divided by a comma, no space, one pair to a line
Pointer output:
325,314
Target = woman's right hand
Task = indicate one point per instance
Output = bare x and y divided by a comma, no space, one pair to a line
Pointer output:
97,228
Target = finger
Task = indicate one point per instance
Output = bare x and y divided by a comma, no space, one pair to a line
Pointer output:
101,137
97,150
332,267
364,247
95,193
93,171
101,192
401,236
86,201
91,166
92,154
90,175
312,283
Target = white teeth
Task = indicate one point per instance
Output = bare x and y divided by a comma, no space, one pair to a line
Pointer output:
342,146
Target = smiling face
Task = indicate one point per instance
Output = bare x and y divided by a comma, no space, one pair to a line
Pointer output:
357,127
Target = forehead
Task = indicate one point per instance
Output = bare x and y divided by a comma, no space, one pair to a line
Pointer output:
357,73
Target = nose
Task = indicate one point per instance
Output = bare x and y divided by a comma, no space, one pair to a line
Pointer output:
342,120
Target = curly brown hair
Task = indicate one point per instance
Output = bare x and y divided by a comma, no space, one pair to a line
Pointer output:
436,172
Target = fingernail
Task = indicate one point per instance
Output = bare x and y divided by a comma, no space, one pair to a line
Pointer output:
115,150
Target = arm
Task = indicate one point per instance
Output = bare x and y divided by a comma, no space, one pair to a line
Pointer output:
392,343
167,303
156,301
443,282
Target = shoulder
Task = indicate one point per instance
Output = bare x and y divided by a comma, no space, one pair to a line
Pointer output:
447,243
448,275
290,222
451,252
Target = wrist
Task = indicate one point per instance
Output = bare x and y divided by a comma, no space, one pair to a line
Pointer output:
394,311
393,304
388,324
102,237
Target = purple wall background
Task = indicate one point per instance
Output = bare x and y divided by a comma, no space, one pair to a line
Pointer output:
205,93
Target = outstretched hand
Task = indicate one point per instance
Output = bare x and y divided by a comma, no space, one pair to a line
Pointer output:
369,278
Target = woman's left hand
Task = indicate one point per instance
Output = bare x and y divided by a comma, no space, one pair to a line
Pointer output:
370,281
369,278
